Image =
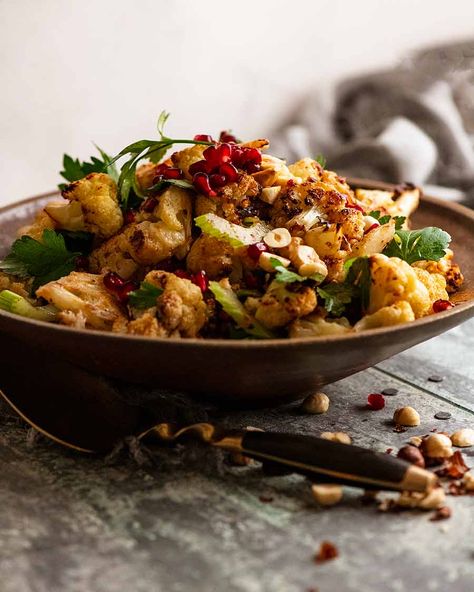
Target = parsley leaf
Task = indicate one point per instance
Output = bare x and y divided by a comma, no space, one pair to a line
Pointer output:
336,297
44,261
145,296
428,244
399,220
74,169
358,276
286,276
321,160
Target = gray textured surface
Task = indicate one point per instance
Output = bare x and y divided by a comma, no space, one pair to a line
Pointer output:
188,521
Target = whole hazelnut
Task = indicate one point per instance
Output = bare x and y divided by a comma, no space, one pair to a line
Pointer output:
340,437
437,446
468,481
412,455
327,495
463,438
316,403
425,501
406,416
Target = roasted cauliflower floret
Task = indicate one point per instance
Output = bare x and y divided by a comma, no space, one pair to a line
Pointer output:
316,326
434,283
401,202
93,206
165,233
211,255
392,280
282,304
41,223
445,266
83,293
185,158
395,314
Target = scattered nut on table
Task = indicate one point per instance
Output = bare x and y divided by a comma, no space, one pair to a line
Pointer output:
468,481
463,438
416,441
327,495
316,403
406,416
425,501
340,437
437,446
412,455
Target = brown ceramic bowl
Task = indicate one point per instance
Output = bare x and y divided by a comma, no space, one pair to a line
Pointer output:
251,372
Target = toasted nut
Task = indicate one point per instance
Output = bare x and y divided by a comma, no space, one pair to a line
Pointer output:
412,455
239,460
265,261
340,437
425,501
468,481
316,403
269,194
327,495
307,261
277,238
369,222
437,446
406,416
416,441
463,438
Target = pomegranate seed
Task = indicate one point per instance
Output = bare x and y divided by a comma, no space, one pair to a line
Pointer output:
203,138
254,251
149,204
442,305
376,401
183,274
201,182
172,173
225,136
200,280
355,207
82,262
252,167
217,155
229,171
125,290
217,181
252,155
237,155
113,282
374,225
129,216
201,166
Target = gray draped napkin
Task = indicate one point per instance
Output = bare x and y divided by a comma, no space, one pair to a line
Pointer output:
413,123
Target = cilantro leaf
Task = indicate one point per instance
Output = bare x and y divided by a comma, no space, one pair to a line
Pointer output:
286,276
145,296
336,297
74,169
44,261
319,158
428,244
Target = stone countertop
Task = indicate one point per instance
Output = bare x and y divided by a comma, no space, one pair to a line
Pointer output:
181,519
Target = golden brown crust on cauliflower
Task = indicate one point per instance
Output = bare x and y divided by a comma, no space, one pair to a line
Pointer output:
445,266
280,305
211,255
317,326
14,284
97,195
41,223
395,314
83,293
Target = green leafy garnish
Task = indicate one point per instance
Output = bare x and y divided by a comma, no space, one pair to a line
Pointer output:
145,296
234,234
74,169
44,261
285,276
358,276
16,304
428,244
336,297
227,298
319,158
399,220
153,150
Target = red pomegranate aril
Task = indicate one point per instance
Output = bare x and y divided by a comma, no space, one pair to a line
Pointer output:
226,136
149,204
129,216
442,305
229,171
216,181
217,155
355,207
252,155
376,401
201,166
200,280
125,290
203,138
252,167
374,225
183,274
113,282
254,251
172,173
201,182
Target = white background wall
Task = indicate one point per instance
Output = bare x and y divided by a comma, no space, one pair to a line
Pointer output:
76,71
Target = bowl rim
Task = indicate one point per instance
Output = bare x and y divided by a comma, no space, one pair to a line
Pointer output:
258,343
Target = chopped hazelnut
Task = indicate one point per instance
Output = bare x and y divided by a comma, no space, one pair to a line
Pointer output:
307,261
412,455
425,501
278,238
406,416
327,495
269,194
416,441
463,438
316,403
437,446
265,261
468,481
340,437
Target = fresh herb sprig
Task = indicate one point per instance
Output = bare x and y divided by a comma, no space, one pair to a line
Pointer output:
285,276
43,261
153,150
145,296
399,220
428,244
74,169
320,159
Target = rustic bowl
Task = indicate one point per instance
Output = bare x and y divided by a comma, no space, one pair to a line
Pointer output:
250,372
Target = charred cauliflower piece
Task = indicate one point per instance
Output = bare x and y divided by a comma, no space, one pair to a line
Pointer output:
164,233
41,222
282,304
449,270
393,280
93,206
317,326
401,202
211,255
434,283
395,314
83,294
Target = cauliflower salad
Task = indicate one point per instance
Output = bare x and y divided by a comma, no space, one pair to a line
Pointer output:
219,239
